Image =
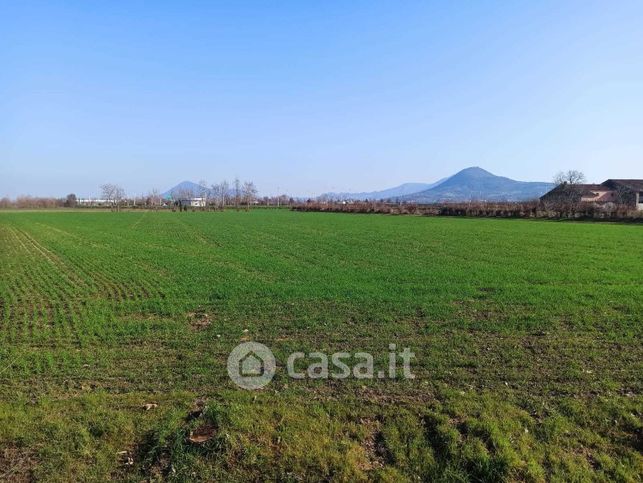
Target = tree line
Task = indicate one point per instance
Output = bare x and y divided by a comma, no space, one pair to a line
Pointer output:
38,202
238,194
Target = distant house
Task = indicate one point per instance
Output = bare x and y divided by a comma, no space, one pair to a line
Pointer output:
92,202
627,191
191,202
619,191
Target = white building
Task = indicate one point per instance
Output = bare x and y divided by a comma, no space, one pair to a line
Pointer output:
92,202
192,202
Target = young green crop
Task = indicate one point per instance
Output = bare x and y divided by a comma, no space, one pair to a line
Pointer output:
527,337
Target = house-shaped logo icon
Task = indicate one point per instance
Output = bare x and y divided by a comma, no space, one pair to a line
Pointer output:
251,365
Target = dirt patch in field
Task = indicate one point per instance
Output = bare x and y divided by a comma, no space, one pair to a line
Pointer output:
373,445
203,433
16,464
199,320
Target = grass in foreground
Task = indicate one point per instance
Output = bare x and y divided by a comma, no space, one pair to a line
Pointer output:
527,336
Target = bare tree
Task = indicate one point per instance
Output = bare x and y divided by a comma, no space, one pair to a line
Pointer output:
623,196
71,200
204,191
225,193
237,193
182,197
154,198
113,194
219,193
184,194
568,194
569,177
107,191
215,190
119,196
249,193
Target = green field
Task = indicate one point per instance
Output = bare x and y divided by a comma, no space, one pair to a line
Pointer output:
527,334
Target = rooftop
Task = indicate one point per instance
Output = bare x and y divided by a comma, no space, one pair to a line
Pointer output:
633,184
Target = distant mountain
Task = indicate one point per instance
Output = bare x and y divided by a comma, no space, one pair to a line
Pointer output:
390,193
476,184
184,189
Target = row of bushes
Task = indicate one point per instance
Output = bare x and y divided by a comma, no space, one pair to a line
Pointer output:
529,209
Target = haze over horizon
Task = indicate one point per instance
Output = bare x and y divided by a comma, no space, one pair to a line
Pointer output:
311,98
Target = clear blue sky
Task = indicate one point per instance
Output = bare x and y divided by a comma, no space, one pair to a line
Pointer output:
315,96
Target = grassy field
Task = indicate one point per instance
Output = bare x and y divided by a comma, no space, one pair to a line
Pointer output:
527,334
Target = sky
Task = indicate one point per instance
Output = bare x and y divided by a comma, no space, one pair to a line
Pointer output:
308,97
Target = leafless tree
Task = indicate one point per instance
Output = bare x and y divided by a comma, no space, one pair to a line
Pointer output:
70,200
220,194
623,196
249,193
569,177
215,190
237,193
114,195
154,198
181,195
119,196
184,193
568,194
107,191
36,202
225,193
280,200
204,191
